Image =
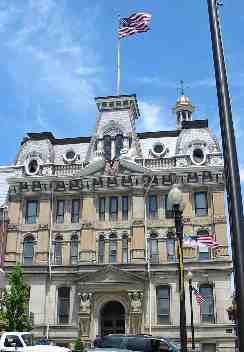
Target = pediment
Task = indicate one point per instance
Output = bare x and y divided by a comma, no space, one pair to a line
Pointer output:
116,168
111,275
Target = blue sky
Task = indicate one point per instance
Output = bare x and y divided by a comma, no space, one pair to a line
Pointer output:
57,55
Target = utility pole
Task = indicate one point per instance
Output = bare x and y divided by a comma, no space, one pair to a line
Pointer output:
231,167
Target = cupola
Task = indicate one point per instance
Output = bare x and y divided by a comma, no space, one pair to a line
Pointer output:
183,109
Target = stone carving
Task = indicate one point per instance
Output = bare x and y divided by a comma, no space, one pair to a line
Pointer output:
128,153
84,325
85,314
135,298
85,302
135,301
112,168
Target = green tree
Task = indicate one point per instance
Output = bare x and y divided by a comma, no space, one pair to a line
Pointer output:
79,347
14,309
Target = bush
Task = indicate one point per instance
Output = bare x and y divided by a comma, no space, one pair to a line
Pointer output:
79,346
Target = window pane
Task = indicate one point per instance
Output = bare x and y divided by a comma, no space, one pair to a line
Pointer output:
60,212
170,244
74,248
207,307
208,347
118,145
28,251
31,211
107,147
113,208
204,253
101,209
75,211
125,250
163,297
63,305
101,248
112,250
168,210
153,206
154,255
125,207
58,252
201,204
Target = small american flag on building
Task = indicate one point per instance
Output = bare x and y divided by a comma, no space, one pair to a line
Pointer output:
199,298
136,23
208,241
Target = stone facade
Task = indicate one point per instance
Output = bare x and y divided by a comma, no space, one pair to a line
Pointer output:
88,220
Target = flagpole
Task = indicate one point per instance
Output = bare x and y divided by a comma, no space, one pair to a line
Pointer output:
118,69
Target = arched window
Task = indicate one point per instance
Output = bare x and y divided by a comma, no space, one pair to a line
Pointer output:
107,147
28,250
101,249
153,249
203,252
74,250
125,249
113,248
58,250
118,145
207,307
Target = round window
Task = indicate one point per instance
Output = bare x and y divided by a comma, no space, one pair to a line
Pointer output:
158,149
32,167
198,156
70,155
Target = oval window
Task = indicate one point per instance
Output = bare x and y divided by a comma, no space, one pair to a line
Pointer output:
158,149
70,155
32,167
198,155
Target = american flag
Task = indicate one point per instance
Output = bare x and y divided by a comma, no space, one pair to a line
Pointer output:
136,23
208,241
199,298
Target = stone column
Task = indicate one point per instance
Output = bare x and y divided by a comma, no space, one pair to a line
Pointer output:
135,313
85,315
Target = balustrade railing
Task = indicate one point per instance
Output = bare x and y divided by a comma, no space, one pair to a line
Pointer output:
179,161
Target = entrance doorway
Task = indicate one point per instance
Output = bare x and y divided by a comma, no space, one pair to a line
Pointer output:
112,318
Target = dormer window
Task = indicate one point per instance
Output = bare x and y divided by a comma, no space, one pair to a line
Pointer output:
70,156
112,146
32,167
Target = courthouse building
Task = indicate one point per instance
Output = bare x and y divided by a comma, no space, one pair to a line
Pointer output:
90,223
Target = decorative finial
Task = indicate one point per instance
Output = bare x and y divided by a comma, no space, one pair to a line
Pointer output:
182,90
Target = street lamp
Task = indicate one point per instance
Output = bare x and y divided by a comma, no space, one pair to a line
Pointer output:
189,277
175,199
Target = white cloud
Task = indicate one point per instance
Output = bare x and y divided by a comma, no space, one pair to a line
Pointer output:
154,117
49,50
242,173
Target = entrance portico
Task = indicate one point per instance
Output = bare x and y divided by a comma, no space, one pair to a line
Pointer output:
116,303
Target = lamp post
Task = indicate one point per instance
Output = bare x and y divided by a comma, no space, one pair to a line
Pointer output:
189,277
175,199
232,176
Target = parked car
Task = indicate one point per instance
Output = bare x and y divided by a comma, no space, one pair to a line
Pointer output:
141,343
24,342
